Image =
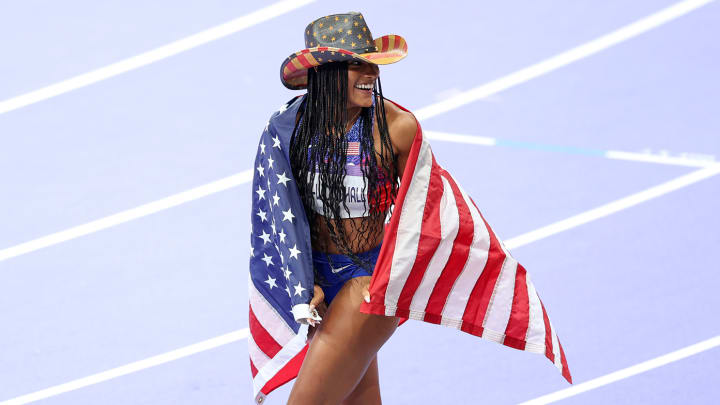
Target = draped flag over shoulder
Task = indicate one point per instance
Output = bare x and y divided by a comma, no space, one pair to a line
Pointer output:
440,263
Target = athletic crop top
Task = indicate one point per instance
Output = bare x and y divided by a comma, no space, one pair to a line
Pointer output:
356,197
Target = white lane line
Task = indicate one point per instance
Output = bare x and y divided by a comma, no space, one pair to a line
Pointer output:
626,372
613,207
459,138
157,54
649,158
608,154
573,55
131,368
512,243
128,215
447,105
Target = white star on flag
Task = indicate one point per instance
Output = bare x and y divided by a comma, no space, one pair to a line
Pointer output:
276,142
262,146
270,162
299,289
260,192
265,237
282,235
271,282
282,179
276,199
261,170
267,259
288,215
288,291
262,214
287,272
294,251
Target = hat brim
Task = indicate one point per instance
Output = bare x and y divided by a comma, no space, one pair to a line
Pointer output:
293,71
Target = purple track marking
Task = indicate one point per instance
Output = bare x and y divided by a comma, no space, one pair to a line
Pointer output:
177,277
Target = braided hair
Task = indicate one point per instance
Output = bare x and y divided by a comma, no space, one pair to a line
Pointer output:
318,147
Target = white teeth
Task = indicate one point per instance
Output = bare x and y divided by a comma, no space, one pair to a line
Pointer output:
364,86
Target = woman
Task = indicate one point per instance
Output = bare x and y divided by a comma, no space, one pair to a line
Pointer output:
348,147
345,147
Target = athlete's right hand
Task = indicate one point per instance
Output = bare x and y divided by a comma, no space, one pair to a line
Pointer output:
317,303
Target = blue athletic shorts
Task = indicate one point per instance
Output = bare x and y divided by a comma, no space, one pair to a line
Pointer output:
332,277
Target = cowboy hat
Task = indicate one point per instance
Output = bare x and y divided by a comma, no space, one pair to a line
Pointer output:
337,38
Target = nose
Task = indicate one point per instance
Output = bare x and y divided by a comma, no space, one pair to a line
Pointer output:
370,69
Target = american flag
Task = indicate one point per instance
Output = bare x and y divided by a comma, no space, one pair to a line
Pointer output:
353,149
440,263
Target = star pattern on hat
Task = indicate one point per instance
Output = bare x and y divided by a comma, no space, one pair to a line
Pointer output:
347,32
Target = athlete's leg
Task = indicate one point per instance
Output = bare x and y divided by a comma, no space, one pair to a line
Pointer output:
367,392
343,347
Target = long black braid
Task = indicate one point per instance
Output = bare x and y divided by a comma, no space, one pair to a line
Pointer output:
319,141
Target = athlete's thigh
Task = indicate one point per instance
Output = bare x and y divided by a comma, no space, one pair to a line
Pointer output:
344,321
367,391
343,346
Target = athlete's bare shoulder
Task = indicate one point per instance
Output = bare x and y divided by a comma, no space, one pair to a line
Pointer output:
401,125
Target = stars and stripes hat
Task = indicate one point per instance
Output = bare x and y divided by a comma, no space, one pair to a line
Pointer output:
336,38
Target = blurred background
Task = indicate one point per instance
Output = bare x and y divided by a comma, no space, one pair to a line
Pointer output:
125,203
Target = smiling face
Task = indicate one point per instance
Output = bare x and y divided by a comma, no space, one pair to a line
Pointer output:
361,83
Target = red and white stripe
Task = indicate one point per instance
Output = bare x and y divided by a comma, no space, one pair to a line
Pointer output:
449,268
353,148
276,352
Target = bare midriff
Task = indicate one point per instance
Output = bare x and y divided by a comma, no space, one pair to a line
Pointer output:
326,243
